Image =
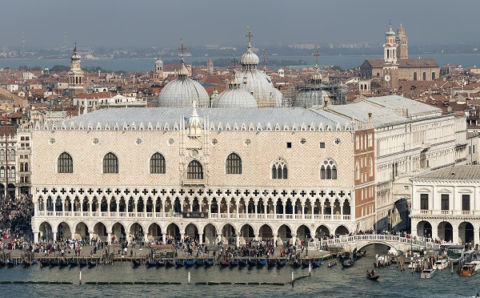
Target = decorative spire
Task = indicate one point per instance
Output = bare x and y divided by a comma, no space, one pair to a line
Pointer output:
181,50
194,121
249,36
183,72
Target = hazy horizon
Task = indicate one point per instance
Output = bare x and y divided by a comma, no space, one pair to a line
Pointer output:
147,23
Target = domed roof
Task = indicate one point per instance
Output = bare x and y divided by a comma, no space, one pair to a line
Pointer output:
308,98
159,61
260,85
235,97
183,91
249,58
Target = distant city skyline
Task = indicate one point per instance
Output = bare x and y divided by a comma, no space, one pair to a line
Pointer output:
146,23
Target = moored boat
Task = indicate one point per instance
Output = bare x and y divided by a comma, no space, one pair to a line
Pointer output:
72,262
136,263
152,263
347,263
317,263
271,263
233,263
200,263
82,262
190,262
467,270
281,263
242,263
169,263
332,263
179,263
209,262
296,264
372,275
160,263
440,264
427,273
91,263
261,263
252,262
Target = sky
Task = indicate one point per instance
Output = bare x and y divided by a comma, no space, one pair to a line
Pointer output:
161,23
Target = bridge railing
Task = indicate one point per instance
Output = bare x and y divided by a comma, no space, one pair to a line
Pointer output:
391,239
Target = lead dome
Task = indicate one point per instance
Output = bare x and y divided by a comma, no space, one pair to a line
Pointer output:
235,97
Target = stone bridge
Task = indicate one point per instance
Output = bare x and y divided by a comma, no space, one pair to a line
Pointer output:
349,243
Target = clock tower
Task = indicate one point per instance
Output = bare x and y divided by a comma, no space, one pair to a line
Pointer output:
390,67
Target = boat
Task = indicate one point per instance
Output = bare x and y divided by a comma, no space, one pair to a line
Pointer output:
440,264
151,263
233,263
476,264
91,263
44,263
169,263
179,263
467,270
82,262
454,252
209,262
332,263
282,263
199,263
190,262
2,263
26,263
252,263
224,263
53,262
160,263
296,264
427,273
63,263
72,262
317,263
271,263
305,264
261,263
372,275
10,263
347,263
136,263
242,263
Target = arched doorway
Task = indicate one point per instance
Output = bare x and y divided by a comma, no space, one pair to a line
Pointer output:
285,233
100,231
155,232
303,233
118,232
228,234
173,232
46,233
210,234
424,229
265,233
341,230
81,232
191,231
445,231
136,233
465,232
322,231
63,232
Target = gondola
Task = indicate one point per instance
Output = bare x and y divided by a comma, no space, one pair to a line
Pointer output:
72,262
252,263
224,264
63,263
305,264
91,263
160,263
179,263
53,262
44,263
242,263
372,275
317,263
271,263
233,263
190,262
10,263
332,263
151,263
136,263
261,263
281,263
296,264
26,263
347,263
82,262
169,263
209,262
2,263
200,263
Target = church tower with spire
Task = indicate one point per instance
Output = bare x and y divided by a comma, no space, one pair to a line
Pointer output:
402,43
390,68
75,75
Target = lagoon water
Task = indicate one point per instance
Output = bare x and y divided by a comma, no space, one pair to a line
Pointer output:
146,64
324,282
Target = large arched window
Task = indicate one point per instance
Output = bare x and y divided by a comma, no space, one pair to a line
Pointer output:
65,163
194,170
279,169
234,164
110,163
328,170
157,164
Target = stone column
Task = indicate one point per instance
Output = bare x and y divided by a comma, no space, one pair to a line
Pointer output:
303,211
275,236
164,238
455,233
109,237
35,237
434,230
200,238
182,236
294,239
146,237
238,240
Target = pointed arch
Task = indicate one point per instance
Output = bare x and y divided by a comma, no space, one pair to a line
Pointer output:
194,170
65,163
157,164
280,169
234,164
110,163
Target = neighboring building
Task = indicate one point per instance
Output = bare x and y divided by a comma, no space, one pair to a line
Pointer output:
158,74
8,154
212,174
396,65
446,204
23,161
411,137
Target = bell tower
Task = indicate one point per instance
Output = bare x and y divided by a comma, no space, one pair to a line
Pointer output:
390,67
75,75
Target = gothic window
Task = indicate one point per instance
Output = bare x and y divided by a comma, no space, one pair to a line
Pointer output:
2,172
234,164
65,163
110,164
279,169
328,170
194,170
157,164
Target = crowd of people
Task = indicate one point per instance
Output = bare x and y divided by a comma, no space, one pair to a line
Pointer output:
15,221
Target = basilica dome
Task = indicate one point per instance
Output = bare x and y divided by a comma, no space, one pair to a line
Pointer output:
183,91
235,97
